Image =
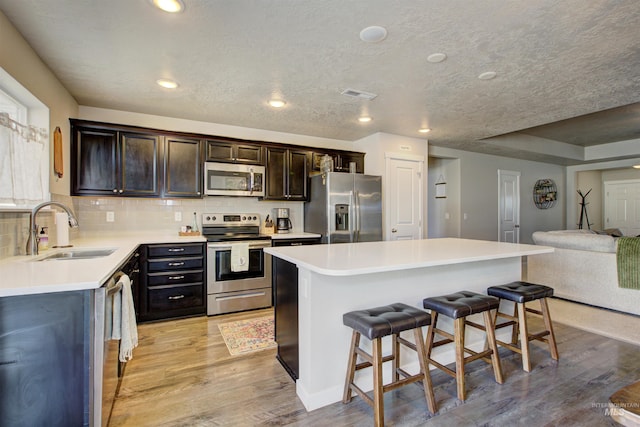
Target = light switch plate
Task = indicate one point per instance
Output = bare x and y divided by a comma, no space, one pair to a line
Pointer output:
111,216
177,216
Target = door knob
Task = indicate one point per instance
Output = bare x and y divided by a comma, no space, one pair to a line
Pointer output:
394,230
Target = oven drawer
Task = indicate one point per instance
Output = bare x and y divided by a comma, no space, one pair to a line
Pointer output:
229,302
156,279
178,249
168,264
176,297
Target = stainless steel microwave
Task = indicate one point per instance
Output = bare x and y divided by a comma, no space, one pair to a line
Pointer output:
226,179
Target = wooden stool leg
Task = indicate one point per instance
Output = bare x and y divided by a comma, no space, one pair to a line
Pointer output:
524,337
395,353
459,342
491,337
351,367
378,398
431,335
551,340
424,369
515,326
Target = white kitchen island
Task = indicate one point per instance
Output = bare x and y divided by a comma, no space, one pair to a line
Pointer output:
335,279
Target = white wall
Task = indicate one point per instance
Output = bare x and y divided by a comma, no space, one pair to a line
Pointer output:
479,193
19,60
444,215
207,128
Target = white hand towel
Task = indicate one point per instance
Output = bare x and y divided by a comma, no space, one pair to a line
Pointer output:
239,257
129,328
116,314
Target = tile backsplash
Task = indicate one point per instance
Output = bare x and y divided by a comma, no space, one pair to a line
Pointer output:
133,214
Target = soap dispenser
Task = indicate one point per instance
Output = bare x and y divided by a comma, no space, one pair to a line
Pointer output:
43,240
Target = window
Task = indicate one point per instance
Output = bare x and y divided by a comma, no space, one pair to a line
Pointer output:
24,146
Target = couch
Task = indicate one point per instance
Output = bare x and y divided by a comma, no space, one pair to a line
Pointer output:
582,268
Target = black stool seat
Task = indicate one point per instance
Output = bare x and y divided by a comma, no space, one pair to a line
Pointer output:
520,292
461,304
386,320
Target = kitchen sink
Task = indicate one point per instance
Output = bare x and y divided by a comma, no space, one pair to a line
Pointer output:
78,254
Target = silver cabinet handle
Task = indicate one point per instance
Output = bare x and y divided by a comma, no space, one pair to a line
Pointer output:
175,264
176,297
176,249
176,277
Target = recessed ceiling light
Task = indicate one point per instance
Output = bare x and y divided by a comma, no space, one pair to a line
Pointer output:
373,34
364,119
424,130
168,84
487,75
171,6
436,57
636,166
277,103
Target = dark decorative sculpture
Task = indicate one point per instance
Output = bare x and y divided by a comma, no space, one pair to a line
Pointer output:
583,214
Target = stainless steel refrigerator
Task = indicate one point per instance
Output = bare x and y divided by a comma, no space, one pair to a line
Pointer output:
345,207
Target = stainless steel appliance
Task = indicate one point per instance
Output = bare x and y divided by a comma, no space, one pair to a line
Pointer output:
345,207
228,290
226,179
283,223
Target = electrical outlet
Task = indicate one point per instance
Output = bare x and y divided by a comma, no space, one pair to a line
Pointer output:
111,217
177,216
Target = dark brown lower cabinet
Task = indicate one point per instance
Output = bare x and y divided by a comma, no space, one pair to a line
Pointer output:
172,282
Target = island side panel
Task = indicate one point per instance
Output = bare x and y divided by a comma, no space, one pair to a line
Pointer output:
324,340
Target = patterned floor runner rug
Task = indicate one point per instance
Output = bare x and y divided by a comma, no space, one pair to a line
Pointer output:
247,336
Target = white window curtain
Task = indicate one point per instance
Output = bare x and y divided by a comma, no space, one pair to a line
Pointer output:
21,151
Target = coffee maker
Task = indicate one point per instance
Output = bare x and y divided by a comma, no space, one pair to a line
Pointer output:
283,223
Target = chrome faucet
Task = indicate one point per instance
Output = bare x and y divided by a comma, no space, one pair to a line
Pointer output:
32,242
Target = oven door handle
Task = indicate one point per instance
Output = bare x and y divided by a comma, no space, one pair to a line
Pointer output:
227,247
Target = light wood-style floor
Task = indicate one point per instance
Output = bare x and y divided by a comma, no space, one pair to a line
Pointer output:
183,375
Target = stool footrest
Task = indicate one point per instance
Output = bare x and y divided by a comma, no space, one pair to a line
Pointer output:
534,311
397,384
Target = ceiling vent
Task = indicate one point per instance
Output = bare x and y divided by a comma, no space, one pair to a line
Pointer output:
359,94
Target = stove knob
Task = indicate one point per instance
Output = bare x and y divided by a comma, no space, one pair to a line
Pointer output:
214,218
255,218
244,218
208,218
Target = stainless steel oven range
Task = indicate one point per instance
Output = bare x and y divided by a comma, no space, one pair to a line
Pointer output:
238,270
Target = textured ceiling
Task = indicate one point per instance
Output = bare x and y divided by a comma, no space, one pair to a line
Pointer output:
555,60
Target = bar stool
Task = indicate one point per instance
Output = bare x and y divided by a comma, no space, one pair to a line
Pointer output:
521,293
376,323
458,306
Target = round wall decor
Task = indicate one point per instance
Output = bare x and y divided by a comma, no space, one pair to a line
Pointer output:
545,193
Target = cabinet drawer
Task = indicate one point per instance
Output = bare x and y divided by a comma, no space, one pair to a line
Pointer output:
176,297
162,251
157,279
168,264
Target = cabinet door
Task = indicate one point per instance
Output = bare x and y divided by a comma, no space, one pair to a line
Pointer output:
182,168
345,159
219,151
276,174
298,172
250,154
94,168
140,155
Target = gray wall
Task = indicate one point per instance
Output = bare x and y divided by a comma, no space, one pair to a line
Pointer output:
478,194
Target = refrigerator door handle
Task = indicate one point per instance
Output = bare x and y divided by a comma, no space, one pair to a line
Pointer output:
352,218
357,209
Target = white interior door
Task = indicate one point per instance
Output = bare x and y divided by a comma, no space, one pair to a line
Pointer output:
403,197
509,206
622,206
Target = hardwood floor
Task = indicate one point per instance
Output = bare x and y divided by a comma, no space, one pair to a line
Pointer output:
183,375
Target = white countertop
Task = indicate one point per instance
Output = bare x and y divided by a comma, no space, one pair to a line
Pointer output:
349,259
25,275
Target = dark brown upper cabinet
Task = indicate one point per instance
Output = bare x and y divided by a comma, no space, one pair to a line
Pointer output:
341,160
287,173
108,162
182,167
234,152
